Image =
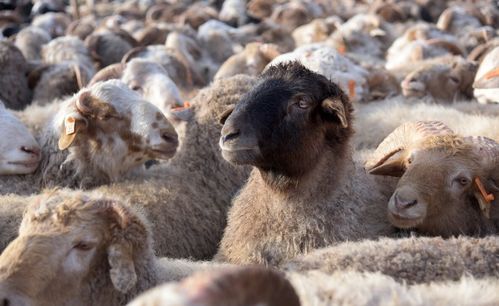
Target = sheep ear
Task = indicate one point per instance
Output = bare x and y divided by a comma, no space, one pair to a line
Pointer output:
122,272
72,126
391,165
129,234
335,107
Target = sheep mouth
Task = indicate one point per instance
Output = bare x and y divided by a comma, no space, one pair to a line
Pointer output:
164,153
26,164
240,156
403,222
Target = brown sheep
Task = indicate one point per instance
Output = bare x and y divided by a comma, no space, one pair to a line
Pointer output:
438,192
83,251
294,128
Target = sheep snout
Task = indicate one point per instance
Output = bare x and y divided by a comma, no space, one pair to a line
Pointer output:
238,143
404,208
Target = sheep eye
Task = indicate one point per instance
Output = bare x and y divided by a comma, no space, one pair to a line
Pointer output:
136,88
462,181
303,104
82,246
409,160
454,79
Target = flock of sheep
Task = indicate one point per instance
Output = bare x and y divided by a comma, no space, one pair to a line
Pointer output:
249,152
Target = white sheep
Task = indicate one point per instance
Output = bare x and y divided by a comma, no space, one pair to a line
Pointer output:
96,137
325,60
19,151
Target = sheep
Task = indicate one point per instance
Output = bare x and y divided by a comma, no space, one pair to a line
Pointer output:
412,260
443,82
486,83
220,40
292,202
30,41
151,80
243,286
43,7
375,121
325,60
251,61
109,47
316,31
19,151
96,137
53,23
428,151
178,71
14,90
233,12
81,28
100,247
51,82
295,13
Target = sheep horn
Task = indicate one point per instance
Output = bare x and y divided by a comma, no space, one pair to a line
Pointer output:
402,138
113,71
445,20
81,79
451,47
132,53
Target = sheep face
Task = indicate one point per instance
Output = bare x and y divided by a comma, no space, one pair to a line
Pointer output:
151,80
19,151
111,126
442,82
69,240
436,193
284,123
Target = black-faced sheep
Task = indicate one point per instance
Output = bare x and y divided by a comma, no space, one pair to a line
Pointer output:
294,128
447,183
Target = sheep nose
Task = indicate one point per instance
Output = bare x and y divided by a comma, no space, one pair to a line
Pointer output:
31,150
170,138
231,135
402,204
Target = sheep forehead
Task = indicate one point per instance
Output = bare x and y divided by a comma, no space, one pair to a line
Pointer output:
117,94
13,130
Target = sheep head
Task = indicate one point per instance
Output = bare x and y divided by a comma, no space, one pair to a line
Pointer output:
67,241
437,192
19,151
112,129
286,121
241,286
444,82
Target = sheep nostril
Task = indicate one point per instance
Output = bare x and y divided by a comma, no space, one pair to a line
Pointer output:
231,136
31,150
5,302
404,204
169,138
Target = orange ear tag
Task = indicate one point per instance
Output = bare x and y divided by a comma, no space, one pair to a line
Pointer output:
486,198
492,74
69,123
351,88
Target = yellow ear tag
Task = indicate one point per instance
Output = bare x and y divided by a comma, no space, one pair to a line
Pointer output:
69,123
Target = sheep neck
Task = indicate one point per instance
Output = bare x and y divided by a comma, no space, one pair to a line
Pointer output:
324,177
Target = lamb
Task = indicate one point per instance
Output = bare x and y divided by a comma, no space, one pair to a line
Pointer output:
100,247
96,137
19,151
30,41
443,82
458,169
250,286
377,120
326,61
486,83
293,203
251,61
14,90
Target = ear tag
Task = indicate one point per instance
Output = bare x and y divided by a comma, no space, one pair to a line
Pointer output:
69,123
484,198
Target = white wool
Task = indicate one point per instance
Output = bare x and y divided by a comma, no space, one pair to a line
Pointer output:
325,60
487,95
